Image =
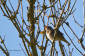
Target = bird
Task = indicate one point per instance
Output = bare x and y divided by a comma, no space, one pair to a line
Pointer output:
54,35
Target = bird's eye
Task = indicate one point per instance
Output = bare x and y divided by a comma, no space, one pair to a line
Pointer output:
47,31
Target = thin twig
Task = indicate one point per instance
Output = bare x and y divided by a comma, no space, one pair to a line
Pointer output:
77,22
7,54
72,30
71,40
61,47
22,49
11,5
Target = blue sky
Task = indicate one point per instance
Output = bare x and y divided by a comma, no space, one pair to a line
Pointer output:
9,32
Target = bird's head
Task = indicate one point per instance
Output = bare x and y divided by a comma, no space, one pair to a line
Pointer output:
48,29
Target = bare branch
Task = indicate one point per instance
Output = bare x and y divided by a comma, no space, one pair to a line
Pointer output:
71,40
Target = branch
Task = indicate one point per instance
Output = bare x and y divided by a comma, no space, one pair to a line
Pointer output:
31,20
61,47
4,50
7,54
71,40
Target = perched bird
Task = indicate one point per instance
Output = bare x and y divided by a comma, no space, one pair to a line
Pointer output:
54,35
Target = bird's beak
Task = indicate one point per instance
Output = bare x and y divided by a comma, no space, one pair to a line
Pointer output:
42,32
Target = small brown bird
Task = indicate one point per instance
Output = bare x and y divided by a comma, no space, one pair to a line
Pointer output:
54,35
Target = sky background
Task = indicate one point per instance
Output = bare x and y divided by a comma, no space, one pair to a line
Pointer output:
12,40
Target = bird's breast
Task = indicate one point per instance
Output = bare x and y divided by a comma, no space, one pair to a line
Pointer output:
50,37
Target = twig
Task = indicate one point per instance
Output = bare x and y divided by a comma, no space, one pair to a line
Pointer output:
25,47
4,50
77,22
7,54
61,47
19,1
81,40
71,40
11,5
72,30
22,49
